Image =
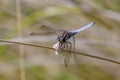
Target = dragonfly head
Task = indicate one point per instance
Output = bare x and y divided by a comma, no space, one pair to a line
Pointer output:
60,39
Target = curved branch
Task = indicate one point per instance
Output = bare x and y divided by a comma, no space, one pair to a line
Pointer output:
42,46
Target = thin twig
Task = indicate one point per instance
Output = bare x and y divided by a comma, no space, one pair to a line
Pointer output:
42,46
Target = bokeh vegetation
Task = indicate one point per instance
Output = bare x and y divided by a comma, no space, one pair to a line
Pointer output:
42,64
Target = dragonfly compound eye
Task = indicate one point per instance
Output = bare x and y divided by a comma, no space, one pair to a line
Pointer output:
59,38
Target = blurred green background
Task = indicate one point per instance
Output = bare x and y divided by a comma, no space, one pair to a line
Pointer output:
42,64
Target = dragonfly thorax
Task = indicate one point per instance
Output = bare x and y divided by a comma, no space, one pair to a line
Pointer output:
60,39
65,36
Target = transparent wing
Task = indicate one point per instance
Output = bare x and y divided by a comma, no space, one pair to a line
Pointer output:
83,28
67,59
47,28
67,54
41,33
74,54
46,31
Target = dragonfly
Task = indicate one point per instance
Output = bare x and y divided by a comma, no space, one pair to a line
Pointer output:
63,41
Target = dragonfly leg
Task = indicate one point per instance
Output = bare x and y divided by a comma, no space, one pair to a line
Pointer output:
62,45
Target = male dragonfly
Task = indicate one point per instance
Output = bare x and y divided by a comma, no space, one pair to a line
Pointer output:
63,41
